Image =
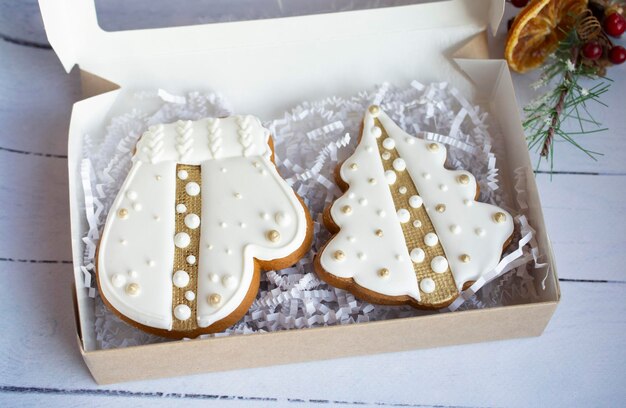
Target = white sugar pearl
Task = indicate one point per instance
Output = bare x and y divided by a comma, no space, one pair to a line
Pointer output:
363,201
417,223
403,215
431,239
439,264
229,281
282,218
427,285
182,312
192,221
389,143
455,229
399,164
416,201
390,176
182,174
181,208
137,207
402,190
443,187
190,296
180,279
213,277
417,255
480,232
192,188
191,259
131,195
386,155
376,132
118,280
182,240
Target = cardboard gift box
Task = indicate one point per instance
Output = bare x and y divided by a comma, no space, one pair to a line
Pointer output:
265,67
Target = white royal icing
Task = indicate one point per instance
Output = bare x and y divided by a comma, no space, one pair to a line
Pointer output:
474,233
139,245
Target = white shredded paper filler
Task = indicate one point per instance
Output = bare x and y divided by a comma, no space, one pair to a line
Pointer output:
309,141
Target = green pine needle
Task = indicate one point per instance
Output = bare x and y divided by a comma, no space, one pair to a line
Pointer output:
566,101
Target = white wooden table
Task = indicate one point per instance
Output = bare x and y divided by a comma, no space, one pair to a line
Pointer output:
580,360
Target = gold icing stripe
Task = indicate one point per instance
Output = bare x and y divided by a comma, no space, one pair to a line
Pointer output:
445,286
194,206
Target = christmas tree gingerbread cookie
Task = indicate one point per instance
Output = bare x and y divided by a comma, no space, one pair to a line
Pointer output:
201,212
407,230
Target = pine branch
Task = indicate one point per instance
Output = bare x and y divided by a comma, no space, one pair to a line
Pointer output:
565,100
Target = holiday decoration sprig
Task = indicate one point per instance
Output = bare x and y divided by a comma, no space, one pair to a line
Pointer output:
566,99
570,40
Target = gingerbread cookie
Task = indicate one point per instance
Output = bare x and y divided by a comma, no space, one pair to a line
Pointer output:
408,230
201,212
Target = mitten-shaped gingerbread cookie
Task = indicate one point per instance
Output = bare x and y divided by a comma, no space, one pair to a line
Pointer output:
201,212
407,230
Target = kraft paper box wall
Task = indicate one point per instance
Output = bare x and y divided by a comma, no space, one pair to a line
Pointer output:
307,58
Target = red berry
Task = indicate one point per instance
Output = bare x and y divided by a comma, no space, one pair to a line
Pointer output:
592,50
614,24
519,3
617,55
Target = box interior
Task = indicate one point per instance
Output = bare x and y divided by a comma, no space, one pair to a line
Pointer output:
267,66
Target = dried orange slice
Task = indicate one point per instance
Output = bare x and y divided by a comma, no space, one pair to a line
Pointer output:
537,30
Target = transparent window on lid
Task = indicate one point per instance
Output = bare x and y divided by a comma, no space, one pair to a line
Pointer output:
119,15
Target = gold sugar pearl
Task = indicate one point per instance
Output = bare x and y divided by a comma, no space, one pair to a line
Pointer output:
499,217
346,209
433,147
374,110
353,166
273,235
440,208
340,255
122,213
464,179
384,273
215,299
465,258
379,233
132,289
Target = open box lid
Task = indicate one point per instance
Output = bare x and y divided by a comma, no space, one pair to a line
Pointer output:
253,62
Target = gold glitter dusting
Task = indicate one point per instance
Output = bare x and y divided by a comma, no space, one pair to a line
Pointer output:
445,286
194,206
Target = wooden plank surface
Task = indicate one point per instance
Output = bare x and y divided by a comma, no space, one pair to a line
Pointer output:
578,361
